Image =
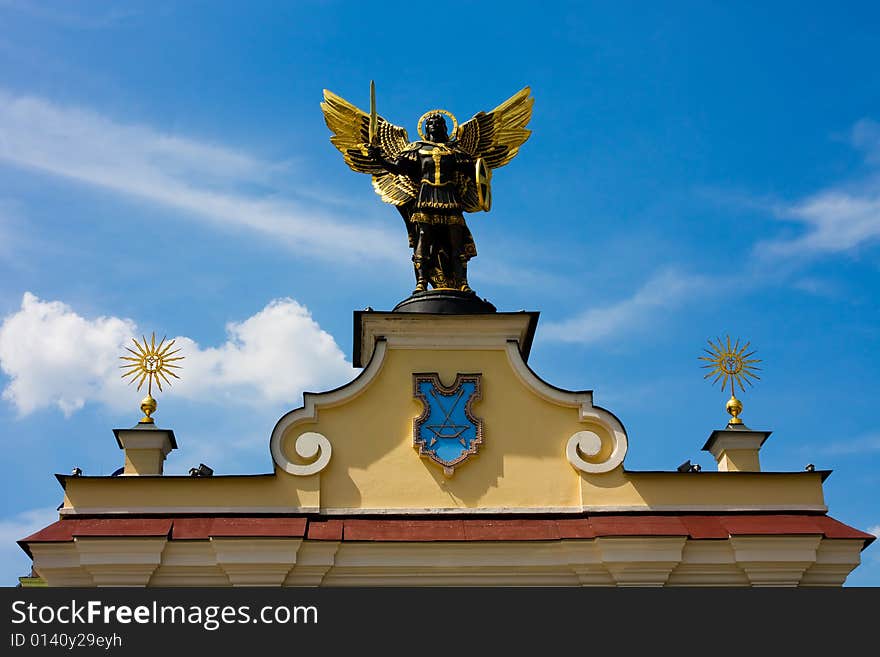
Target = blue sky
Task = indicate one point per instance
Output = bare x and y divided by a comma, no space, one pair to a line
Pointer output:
695,170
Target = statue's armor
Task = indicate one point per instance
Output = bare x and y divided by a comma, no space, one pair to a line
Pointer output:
439,256
437,169
436,166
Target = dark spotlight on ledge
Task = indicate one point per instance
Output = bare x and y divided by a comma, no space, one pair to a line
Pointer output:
201,471
687,466
810,467
76,472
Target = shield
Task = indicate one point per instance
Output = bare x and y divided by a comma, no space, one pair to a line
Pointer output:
447,432
483,180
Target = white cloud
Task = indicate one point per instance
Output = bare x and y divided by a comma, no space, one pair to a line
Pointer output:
57,358
270,357
15,562
875,530
663,291
198,178
842,217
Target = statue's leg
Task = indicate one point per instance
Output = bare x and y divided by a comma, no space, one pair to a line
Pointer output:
458,257
442,274
416,267
422,256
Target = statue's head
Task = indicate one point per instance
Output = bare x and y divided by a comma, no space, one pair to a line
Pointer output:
435,128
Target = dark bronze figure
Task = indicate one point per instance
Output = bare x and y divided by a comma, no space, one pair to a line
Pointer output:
434,181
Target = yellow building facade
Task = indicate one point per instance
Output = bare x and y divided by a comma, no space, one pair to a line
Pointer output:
446,461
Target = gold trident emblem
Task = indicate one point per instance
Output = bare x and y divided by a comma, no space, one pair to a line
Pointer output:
150,361
732,366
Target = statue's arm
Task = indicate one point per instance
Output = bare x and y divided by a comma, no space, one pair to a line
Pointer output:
396,165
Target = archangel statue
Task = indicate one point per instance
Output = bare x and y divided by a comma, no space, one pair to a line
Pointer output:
435,180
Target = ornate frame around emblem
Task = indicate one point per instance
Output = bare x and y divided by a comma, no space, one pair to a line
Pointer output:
454,393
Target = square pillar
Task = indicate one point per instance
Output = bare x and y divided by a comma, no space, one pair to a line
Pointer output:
736,448
145,447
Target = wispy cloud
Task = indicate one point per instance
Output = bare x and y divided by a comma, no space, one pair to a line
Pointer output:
856,445
875,530
78,16
495,272
817,286
15,562
866,137
10,223
836,221
17,527
175,171
840,218
55,357
665,290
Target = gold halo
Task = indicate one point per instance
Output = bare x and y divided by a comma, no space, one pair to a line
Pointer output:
438,111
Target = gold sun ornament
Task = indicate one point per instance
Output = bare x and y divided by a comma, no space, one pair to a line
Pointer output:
148,362
732,365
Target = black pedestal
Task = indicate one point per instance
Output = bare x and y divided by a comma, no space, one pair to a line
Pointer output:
444,302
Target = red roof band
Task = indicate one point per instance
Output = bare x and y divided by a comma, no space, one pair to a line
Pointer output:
447,529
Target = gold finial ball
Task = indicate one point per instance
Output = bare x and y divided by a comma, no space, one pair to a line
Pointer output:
148,407
734,407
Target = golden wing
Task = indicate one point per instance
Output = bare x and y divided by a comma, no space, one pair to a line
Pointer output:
351,129
497,135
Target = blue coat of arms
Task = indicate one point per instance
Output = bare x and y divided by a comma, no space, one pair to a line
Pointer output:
447,431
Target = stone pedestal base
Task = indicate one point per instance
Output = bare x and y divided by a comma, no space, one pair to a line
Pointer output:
444,302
